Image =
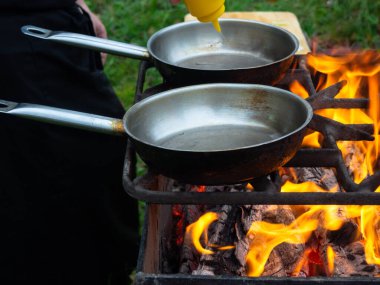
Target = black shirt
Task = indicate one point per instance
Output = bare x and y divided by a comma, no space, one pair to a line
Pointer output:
35,4
65,218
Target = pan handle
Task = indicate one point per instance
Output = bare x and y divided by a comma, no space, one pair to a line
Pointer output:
63,117
89,42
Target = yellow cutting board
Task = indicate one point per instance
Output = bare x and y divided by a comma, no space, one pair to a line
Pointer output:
285,20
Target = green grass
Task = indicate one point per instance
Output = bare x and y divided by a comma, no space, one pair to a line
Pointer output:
333,22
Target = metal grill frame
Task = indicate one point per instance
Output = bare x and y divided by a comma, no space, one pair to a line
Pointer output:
328,156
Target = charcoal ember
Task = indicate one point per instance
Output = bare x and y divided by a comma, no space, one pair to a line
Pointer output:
220,233
353,157
321,176
286,254
349,257
347,234
274,266
191,261
230,229
350,261
282,260
248,215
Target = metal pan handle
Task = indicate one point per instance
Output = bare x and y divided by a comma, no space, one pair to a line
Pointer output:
89,42
63,117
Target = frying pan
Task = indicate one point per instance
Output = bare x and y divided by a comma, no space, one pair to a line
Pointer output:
206,134
245,51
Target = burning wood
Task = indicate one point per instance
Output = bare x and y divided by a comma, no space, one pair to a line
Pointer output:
281,240
304,240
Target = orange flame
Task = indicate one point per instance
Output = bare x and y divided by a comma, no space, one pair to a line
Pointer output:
357,69
249,187
301,262
266,236
307,186
370,222
330,260
312,140
199,228
298,89
362,73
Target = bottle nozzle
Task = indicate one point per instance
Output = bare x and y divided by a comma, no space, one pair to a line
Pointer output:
216,25
207,10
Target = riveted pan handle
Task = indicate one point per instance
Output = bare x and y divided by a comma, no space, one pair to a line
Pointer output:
63,117
89,42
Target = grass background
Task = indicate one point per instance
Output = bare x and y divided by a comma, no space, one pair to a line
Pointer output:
334,22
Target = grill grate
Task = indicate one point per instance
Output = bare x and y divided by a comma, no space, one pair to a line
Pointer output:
268,193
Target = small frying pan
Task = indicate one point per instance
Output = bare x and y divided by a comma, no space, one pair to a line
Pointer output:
245,51
202,134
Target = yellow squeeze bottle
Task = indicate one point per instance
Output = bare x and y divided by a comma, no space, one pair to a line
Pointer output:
206,10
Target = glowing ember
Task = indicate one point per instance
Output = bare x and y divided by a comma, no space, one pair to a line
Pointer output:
179,216
249,187
200,188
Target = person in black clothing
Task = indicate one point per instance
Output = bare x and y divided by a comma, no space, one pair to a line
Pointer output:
64,216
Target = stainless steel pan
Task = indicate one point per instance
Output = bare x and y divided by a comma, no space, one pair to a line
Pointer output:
202,134
246,51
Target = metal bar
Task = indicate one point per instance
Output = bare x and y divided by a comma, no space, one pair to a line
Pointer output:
181,279
143,67
341,132
368,128
328,103
252,198
315,158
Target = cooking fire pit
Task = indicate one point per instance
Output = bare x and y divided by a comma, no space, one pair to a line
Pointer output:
168,257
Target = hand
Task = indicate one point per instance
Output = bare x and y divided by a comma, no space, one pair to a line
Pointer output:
99,28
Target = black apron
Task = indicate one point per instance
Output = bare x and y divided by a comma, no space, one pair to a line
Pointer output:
65,218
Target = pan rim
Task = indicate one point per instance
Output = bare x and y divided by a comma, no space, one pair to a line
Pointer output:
221,20
172,92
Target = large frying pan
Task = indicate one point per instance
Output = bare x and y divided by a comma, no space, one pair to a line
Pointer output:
246,51
202,134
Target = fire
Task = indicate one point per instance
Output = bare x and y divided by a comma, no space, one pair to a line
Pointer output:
361,71
312,140
266,236
358,70
200,188
370,225
200,228
298,89
307,186
330,259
